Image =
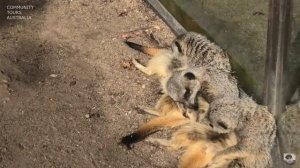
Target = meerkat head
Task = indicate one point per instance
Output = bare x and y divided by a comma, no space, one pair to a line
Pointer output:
184,86
185,42
224,115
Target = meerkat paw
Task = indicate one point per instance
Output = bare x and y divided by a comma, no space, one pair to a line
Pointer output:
146,110
141,67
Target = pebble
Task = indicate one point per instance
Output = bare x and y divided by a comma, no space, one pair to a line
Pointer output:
87,116
72,83
53,75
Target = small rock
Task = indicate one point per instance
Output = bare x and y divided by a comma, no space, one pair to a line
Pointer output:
84,4
127,64
53,75
21,147
126,36
72,83
93,115
143,86
156,27
124,13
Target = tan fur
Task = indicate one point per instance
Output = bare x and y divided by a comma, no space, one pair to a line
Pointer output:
152,51
157,65
200,153
196,156
200,149
171,115
194,137
167,106
160,123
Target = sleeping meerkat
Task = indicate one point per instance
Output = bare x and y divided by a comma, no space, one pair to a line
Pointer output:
189,50
170,114
198,141
254,127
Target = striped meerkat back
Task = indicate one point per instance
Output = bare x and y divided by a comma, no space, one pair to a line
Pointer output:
201,52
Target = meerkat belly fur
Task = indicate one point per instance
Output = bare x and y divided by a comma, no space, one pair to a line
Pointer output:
199,144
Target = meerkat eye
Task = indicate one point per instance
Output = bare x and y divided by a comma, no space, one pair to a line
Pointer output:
178,47
222,124
189,76
187,93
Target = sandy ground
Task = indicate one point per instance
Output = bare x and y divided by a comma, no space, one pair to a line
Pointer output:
65,98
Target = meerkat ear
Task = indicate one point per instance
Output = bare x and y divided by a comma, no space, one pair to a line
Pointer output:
178,47
189,76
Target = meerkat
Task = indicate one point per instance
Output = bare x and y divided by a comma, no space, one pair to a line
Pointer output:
289,133
170,114
186,86
185,91
200,144
199,140
230,112
187,51
162,62
255,129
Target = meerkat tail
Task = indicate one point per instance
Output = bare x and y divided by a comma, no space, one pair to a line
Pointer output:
153,126
151,51
196,156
